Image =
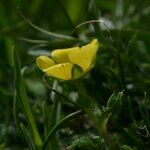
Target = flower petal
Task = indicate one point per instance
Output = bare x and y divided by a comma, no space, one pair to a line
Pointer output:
61,71
85,55
44,62
61,55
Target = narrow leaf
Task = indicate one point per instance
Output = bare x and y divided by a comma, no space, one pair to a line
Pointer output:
28,137
55,35
59,125
22,97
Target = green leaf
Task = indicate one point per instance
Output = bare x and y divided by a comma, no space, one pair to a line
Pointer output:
45,117
126,147
114,101
84,143
53,119
77,71
51,34
59,125
111,100
16,109
51,116
21,97
52,113
112,105
27,137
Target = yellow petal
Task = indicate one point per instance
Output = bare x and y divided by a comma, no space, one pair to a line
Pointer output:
61,71
85,55
44,62
61,55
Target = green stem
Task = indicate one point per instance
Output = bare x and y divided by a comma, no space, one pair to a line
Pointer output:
108,141
92,109
87,104
104,118
80,87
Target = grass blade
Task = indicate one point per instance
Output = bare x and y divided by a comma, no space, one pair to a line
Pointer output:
22,96
27,137
59,125
55,35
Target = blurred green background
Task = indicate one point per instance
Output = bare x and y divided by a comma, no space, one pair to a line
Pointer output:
123,63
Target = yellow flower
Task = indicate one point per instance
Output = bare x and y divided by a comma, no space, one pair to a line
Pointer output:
64,62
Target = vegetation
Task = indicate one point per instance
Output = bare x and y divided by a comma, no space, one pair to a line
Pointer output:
107,108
